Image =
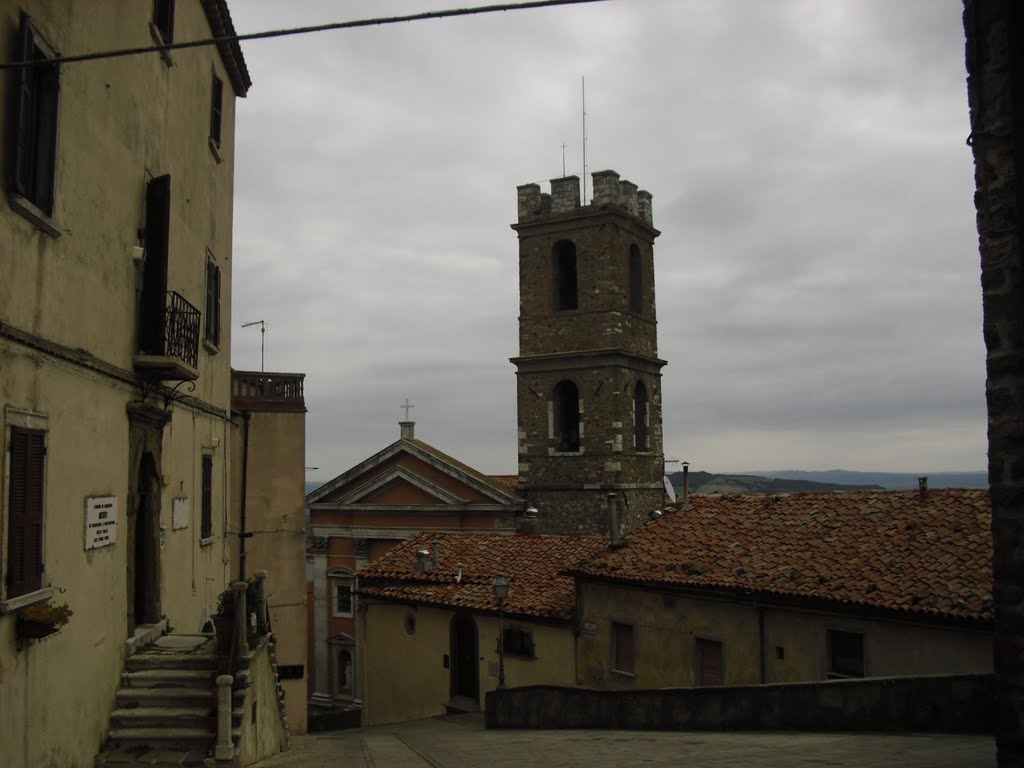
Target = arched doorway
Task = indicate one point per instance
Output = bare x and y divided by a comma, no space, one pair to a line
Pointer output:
144,547
465,670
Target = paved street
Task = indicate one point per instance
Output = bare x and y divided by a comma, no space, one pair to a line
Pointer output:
461,741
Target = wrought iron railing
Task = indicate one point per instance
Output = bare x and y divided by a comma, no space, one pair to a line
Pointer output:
253,385
177,336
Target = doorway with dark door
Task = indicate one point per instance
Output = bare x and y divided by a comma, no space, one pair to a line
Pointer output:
144,543
465,680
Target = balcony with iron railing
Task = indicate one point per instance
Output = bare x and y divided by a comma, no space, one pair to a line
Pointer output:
168,346
259,391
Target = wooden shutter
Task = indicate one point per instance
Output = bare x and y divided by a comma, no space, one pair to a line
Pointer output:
710,671
25,511
215,110
206,525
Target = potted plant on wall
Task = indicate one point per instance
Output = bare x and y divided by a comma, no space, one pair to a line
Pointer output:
224,619
41,620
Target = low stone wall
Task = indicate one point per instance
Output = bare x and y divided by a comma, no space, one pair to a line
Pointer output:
950,703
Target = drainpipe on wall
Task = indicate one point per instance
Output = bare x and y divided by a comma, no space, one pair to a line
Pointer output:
246,415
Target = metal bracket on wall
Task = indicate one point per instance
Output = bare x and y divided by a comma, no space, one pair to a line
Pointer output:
175,394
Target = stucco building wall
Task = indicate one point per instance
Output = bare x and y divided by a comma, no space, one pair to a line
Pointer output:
666,626
405,677
68,322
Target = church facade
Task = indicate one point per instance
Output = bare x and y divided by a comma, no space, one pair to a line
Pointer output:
589,375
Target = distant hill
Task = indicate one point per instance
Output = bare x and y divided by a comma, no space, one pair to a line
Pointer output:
708,482
312,485
892,481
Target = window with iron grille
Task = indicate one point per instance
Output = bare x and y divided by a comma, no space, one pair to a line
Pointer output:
206,524
35,147
519,642
845,654
25,511
212,326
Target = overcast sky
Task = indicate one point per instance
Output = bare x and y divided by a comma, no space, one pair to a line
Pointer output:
817,273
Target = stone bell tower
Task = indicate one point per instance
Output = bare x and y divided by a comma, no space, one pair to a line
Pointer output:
589,376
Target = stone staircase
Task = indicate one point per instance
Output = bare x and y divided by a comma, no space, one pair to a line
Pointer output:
165,713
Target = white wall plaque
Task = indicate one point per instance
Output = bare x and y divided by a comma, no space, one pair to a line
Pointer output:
100,521
180,513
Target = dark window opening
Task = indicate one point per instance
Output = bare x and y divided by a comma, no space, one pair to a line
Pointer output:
567,416
343,599
154,266
206,524
636,285
518,642
35,158
845,654
212,328
291,671
25,511
565,281
640,416
622,648
710,662
215,111
163,19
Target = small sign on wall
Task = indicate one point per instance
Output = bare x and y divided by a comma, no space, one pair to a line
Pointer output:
100,521
180,513
589,628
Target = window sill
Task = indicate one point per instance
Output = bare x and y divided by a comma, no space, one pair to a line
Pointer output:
40,220
154,32
215,150
207,541
622,673
210,347
341,615
553,452
14,603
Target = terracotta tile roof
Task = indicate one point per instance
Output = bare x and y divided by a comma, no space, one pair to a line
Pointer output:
533,565
508,482
889,550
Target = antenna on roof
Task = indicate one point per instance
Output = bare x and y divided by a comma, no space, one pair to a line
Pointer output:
263,336
669,490
583,91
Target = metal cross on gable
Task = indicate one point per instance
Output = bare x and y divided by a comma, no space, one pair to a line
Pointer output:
407,406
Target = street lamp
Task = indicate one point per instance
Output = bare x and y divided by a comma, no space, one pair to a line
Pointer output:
500,588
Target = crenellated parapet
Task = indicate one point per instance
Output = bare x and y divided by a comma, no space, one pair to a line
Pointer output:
609,191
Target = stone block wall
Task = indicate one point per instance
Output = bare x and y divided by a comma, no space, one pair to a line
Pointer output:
995,88
939,703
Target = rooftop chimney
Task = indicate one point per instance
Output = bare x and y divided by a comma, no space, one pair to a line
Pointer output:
528,523
613,520
422,564
922,485
408,429
686,482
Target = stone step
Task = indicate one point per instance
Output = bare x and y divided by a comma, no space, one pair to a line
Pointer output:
168,678
172,697
138,757
141,661
161,738
199,716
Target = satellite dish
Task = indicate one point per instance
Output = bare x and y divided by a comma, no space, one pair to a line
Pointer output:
669,489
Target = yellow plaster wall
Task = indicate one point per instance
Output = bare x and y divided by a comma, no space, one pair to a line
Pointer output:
667,626
265,735
119,119
405,677
275,503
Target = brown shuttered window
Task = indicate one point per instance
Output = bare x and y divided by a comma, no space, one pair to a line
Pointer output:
709,662
216,109
622,647
206,525
25,511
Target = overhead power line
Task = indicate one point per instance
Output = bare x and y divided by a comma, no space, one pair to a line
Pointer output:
296,31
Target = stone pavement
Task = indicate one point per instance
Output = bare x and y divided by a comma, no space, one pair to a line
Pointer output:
460,741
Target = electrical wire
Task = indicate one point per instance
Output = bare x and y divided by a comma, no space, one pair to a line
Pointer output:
380,21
